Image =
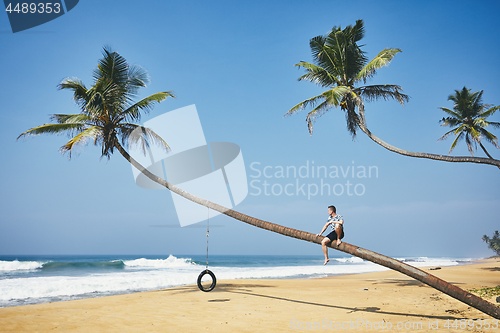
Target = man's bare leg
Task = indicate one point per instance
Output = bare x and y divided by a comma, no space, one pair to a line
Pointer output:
324,242
338,231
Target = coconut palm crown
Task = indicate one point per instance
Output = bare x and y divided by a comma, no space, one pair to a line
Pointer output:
468,120
341,66
107,108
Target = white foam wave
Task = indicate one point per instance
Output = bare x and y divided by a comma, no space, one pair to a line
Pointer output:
150,274
16,265
294,271
427,262
27,290
349,260
170,262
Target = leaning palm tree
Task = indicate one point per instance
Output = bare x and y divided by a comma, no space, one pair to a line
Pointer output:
341,66
106,112
469,120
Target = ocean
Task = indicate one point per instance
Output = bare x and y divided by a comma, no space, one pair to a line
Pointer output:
41,279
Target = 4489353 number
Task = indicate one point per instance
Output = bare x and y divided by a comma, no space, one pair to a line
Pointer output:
34,8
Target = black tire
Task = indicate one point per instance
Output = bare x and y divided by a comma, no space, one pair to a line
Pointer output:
214,280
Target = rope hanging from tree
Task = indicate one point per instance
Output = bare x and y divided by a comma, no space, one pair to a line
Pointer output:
207,271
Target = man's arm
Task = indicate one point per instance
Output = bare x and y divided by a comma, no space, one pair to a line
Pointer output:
324,228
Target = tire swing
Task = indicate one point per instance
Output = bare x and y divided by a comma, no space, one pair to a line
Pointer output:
207,271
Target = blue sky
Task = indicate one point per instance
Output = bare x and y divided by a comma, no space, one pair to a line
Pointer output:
235,61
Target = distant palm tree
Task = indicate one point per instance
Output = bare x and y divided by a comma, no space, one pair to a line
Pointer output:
493,242
469,120
106,111
341,66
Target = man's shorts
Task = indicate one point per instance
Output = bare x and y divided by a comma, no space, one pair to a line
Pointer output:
333,235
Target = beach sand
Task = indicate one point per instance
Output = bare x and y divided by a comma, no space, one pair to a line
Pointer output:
372,302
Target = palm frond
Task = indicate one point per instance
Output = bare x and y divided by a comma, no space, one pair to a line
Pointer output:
462,128
53,129
458,138
494,124
133,113
452,113
450,121
474,133
304,104
335,95
349,57
95,105
106,99
79,90
317,45
471,143
79,118
382,59
90,133
352,120
317,74
321,54
357,31
315,113
490,137
112,67
133,134
477,103
331,97
489,112
465,103
452,131
385,91
479,122
137,78
338,52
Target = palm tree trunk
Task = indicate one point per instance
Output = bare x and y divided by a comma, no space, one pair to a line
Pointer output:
445,158
418,274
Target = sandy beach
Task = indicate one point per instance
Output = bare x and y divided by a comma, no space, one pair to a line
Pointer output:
371,302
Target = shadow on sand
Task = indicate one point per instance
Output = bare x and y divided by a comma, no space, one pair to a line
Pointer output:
225,288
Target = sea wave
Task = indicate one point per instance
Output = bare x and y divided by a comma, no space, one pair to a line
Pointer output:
107,265
19,290
49,281
351,260
170,262
437,261
16,265
54,288
93,265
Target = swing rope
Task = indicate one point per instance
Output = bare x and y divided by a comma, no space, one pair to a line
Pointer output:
207,271
208,234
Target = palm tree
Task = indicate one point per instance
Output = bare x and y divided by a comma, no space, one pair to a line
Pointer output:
341,66
107,108
493,242
469,120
